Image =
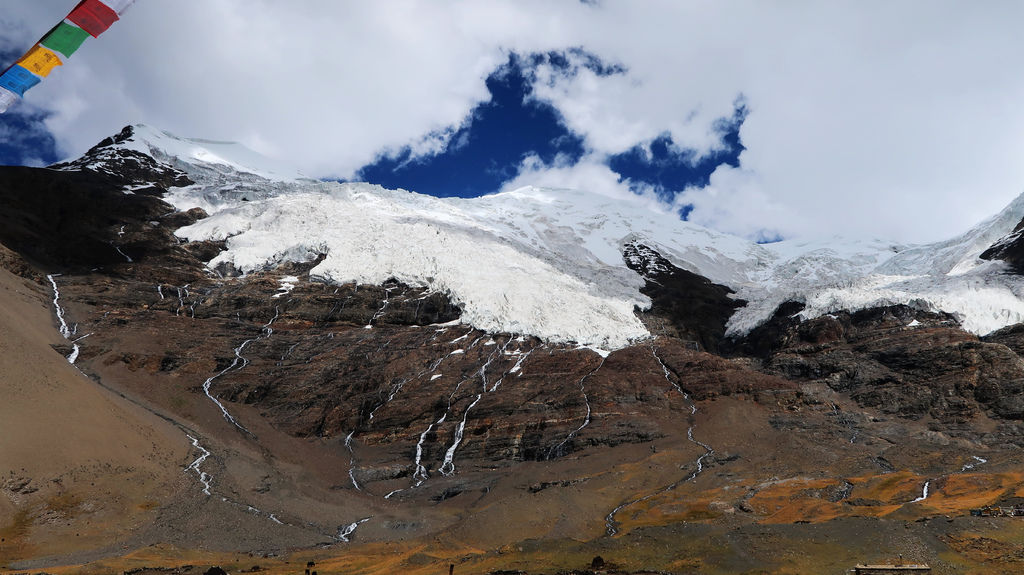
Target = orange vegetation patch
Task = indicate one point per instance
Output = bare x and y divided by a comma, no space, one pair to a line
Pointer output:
817,500
889,489
779,494
956,494
800,500
673,506
368,559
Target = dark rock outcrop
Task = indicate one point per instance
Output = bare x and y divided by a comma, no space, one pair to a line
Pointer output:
118,166
898,359
1009,248
694,308
80,218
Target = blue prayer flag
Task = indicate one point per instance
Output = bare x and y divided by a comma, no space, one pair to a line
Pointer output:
17,79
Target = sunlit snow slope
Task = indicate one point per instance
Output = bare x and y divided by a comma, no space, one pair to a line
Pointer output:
548,262
207,156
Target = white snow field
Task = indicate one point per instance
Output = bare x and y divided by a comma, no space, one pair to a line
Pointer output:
548,263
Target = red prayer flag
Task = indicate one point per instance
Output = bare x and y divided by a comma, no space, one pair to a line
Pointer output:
93,16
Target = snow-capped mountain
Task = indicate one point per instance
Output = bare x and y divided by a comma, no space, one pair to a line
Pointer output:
421,371
549,262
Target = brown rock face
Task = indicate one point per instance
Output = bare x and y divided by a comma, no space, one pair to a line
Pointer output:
902,361
315,410
1009,249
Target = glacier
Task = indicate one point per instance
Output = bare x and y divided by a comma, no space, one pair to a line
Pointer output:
548,262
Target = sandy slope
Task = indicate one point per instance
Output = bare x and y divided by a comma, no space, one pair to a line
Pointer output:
80,468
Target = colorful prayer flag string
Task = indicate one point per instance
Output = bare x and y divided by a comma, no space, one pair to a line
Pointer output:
87,18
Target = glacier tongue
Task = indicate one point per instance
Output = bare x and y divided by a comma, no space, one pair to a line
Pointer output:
549,262
370,235
945,276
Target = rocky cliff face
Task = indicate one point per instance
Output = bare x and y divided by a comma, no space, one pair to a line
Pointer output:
1009,248
903,361
319,405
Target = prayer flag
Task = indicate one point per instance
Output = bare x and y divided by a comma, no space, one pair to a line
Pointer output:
40,61
65,38
17,80
118,6
88,18
7,98
93,16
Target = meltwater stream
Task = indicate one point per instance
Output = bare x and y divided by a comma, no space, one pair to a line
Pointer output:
611,525
266,332
65,331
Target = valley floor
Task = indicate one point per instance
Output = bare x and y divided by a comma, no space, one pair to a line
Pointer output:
799,481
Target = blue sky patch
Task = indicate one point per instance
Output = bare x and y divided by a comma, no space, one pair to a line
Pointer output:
488,149
24,139
669,169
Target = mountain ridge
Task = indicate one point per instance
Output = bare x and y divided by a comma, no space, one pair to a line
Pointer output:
377,418
583,235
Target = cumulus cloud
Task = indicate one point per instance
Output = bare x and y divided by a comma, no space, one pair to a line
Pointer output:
589,173
715,205
900,120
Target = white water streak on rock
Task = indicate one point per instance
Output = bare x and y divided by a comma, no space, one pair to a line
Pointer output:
182,294
384,306
65,331
126,256
448,467
204,478
420,473
267,331
609,520
347,531
924,492
517,368
700,460
977,461
352,460
398,387
290,350
555,451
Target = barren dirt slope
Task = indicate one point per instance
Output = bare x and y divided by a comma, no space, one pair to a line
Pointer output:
79,466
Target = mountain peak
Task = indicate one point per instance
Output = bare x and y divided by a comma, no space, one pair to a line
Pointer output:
202,159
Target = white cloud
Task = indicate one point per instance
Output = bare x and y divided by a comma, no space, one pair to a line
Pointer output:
866,118
589,173
715,206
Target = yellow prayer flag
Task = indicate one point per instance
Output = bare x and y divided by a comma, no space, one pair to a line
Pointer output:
40,60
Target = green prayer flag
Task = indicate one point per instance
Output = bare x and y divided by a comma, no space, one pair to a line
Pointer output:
65,38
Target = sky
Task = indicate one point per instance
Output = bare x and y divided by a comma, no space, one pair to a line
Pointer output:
797,119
